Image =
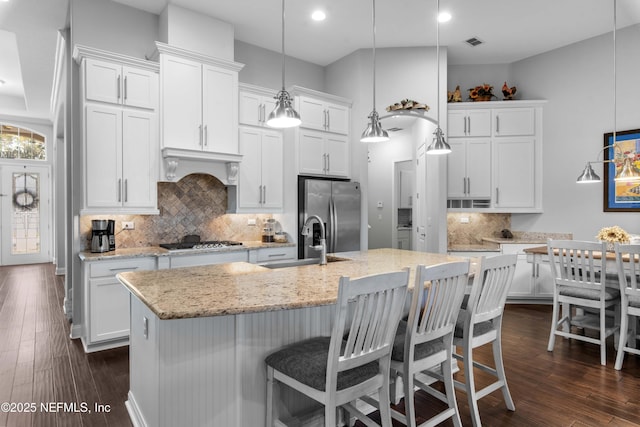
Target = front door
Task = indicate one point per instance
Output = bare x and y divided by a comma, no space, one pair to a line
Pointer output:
24,214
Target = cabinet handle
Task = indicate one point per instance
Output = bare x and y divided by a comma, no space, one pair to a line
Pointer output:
260,113
123,268
410,200
264,194
260,194
464,185
497,195
276,255
469,125
125,88
468,185
328,162
200,134
497,124
119,190
328,120
118,84
324,162
465,125
206,136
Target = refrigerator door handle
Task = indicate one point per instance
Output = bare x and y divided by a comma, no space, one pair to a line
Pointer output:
333,227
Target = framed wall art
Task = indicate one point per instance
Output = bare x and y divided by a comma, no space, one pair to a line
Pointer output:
621,196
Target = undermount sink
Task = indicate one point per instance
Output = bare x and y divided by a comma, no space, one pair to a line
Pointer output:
300,262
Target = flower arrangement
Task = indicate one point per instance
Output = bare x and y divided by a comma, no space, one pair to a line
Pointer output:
612,235
483,92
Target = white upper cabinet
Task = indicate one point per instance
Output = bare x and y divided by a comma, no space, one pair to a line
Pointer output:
199,105
496,163
261,175
120,144
469,123
323,154
255,105
322,140
514,121
320,114
120,84
469,168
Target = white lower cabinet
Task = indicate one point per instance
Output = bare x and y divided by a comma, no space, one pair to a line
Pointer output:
207,258
404,239
273,254
106,307
530,281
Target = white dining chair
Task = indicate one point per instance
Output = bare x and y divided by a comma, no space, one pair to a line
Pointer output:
480,323
580,275
337,370
425,340
628,265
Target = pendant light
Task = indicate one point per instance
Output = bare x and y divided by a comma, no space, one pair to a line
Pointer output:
439,144
628,172
283,115
374,131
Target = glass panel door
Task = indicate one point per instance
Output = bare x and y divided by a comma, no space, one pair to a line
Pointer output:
25,214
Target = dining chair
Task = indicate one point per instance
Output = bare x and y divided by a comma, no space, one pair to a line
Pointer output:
580,277
480,323
628,265
425,340
337,370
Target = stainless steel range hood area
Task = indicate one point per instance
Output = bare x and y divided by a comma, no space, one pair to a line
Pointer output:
178,163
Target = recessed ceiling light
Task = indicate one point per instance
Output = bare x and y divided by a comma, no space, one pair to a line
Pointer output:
318,15
444,17
2,81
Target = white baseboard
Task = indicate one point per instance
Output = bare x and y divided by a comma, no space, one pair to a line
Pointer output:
61,271
134,413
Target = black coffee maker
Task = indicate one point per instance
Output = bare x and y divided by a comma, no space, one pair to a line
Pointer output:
99,235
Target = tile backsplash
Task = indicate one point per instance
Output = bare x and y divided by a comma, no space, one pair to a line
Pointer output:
196,204
480,225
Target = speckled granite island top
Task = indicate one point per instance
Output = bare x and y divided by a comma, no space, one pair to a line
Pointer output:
236,288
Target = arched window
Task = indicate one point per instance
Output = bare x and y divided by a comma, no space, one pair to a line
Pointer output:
20,143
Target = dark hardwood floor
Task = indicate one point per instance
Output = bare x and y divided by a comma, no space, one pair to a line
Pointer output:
39,364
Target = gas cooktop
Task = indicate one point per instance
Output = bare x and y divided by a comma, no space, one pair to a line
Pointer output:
212,244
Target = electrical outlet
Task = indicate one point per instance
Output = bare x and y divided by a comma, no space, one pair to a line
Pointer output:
464,220
128,225
251,221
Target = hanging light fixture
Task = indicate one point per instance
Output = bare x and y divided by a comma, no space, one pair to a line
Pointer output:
283,115
374,131
628,172
439,144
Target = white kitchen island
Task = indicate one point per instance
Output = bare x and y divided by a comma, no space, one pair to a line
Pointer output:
199,335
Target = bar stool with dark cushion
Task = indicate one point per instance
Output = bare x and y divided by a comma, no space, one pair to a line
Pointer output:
336,371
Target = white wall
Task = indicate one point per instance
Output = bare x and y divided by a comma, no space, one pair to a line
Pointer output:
578,83
468,77
113,27
400,73
263,67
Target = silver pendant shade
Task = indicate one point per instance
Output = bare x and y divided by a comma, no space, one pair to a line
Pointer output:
283,115
439,144
374,131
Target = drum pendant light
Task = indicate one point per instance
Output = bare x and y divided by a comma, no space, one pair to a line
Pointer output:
374,131
439,144
283,115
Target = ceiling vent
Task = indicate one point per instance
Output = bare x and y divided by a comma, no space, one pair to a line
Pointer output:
473,41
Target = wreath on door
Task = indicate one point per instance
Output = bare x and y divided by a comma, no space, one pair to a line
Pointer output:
25,199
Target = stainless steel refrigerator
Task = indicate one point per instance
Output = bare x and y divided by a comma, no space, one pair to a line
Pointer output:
337,202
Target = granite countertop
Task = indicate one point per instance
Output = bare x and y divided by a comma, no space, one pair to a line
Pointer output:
239,287
157,251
